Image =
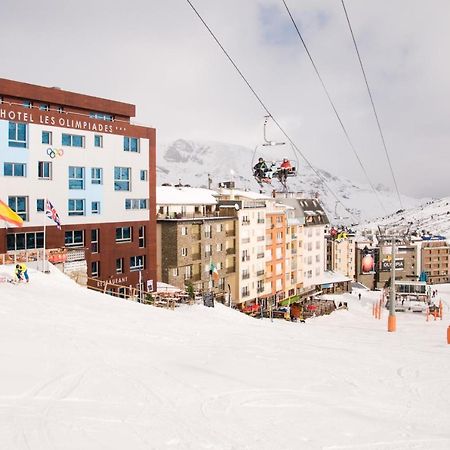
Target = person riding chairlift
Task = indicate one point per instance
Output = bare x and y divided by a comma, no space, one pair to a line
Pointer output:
261,169
285,168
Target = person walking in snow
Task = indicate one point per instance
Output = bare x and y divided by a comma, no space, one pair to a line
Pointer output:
22,271
359,296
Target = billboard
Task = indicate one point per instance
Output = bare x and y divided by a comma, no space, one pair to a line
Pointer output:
367,261
386,264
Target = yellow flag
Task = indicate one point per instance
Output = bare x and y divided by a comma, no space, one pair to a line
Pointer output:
7,214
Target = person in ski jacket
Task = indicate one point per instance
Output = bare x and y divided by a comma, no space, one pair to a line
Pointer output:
260,168
22,271
286,164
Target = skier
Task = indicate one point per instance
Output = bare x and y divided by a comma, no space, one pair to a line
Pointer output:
22,270
359,296
260,169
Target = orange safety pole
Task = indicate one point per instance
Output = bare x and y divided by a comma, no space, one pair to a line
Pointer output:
441,309
380,309
448,335
373,309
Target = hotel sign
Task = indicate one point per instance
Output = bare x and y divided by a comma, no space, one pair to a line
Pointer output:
50,118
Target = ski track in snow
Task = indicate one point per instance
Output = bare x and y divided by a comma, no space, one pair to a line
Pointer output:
86,371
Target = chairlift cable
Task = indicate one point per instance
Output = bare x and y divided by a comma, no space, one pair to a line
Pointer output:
333,106
372,103
263,105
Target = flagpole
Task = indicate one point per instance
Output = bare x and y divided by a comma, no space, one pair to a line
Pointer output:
44,257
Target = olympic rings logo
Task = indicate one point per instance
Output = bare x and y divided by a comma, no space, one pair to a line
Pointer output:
53,153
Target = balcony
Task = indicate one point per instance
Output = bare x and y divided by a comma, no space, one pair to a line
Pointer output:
260,289
231,269
196,256
246,258
245,240
231,251
245,222
196,236
259,273
245,293
260,221
230,233
260,255
260,238
245,276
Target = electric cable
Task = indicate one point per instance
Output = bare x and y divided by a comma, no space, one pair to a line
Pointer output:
372,103
266,109
333,106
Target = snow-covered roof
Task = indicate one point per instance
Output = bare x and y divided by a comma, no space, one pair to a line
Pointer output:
171,195
330,276
244,194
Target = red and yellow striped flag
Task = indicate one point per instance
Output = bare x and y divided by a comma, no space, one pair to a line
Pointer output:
7,214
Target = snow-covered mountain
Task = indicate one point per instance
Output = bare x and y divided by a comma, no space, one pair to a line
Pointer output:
190,163
431,218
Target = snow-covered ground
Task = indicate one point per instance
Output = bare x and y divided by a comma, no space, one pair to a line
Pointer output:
80,370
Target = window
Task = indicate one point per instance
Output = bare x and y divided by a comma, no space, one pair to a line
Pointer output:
24,241
95,269
19,205
44,107
60,109
76,207
208,250
187,272
130,144
17,135
136,203
40,205
96,175
208,231
44,170
184,231
119,265
27,104
74,238
47,137
219,227
72,140
184,251
141,239
144,175
136,263
95,207
101,116
317,245
76,177
219,247
14,169
175,272
94,240
98,140
123,234
122,178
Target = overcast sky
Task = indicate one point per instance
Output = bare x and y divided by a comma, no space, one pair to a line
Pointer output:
158,55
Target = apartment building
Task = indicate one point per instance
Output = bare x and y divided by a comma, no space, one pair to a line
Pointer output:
195,236
249,284
435,260
341,252
96,167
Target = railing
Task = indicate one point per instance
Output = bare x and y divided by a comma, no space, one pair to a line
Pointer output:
230,233
196,215
260,289
245,276
259,273
260,255
231,251
196,256
231,269
260,221
245,293
246,258
245,240
245,222
260,238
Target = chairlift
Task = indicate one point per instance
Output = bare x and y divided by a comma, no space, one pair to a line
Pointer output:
264,172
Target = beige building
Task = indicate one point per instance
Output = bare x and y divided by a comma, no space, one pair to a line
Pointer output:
341,253
435,261
194,235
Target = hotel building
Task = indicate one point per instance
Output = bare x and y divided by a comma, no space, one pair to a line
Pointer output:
98,170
